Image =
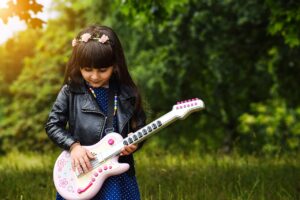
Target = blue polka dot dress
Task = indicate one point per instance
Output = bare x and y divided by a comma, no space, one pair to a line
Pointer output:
119,187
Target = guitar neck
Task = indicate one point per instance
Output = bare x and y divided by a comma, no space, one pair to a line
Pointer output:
179,111
150,129
139,135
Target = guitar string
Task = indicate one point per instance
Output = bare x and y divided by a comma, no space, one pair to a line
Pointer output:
97,164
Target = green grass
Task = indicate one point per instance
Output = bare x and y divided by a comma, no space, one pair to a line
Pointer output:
169,176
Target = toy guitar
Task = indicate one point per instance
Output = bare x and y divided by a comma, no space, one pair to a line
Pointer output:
78,185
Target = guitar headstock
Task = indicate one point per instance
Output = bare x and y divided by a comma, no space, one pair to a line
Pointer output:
184,108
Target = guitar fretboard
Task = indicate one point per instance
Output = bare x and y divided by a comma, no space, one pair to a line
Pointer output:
149,129
179,111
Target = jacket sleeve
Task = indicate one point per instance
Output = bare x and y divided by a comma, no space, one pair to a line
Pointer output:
58,119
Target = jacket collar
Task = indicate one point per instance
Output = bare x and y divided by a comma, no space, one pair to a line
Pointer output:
125,107
78,88
125,92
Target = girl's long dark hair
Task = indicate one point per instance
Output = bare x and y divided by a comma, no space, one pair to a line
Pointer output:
98,55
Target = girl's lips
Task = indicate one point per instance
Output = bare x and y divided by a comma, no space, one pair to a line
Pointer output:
94,83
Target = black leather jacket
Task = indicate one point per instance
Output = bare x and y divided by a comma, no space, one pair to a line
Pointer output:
77,108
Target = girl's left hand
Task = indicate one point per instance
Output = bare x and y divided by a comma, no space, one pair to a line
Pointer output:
128,149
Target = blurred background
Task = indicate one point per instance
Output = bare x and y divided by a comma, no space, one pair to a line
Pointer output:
240,57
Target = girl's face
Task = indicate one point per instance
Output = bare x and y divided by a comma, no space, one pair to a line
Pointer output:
96,77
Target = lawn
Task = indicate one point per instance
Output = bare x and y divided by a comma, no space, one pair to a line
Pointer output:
162,175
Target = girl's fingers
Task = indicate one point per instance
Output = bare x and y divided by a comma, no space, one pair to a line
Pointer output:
83,165
131,148
128,149
125,151
74,164
90,155
77,166
87,162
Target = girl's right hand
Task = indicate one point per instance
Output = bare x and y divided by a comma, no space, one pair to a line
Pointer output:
81,158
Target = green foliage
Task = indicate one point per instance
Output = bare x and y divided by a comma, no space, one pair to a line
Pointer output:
284,20
12,56
36,88
236,56
271,127
222,51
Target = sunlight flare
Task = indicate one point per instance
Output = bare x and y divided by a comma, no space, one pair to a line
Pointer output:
8,30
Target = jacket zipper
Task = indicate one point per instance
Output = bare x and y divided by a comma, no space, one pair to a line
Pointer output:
93,111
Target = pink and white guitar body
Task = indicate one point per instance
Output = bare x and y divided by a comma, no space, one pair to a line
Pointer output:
74,185
71,185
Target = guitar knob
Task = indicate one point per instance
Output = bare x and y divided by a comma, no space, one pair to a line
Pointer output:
111,141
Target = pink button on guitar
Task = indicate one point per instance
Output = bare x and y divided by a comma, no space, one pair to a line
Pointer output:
111,141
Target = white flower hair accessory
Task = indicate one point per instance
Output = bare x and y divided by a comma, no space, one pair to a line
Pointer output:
103,39
87,36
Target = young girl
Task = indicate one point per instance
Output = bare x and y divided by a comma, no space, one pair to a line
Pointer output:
98,97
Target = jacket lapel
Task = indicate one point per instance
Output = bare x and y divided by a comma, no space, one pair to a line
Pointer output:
125,107
125,104
88,103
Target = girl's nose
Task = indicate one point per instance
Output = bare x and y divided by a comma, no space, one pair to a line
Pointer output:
94,76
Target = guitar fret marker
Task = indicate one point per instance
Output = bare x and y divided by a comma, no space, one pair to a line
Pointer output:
135,137
140,134
154,126
159,123
125,142
145,132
